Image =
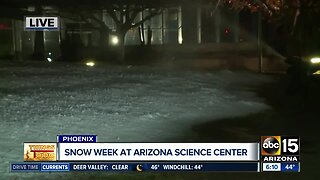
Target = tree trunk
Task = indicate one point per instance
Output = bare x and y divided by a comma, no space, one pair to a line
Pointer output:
121,48
38,52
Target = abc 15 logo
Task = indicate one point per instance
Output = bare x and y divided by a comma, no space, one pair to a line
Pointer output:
280,145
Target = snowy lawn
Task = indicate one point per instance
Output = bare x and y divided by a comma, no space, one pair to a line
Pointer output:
119,104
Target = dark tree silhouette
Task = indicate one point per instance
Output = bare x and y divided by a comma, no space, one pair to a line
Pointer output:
295,19
123,13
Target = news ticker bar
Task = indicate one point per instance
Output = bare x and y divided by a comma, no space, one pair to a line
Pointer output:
135,167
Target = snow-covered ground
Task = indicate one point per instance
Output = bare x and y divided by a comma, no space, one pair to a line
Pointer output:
119,104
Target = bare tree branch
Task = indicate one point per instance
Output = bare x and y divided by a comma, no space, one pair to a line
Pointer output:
113,15
151,15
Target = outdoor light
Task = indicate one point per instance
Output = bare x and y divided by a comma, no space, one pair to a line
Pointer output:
114,40
317,72
90,63
49,59
315,60
50,53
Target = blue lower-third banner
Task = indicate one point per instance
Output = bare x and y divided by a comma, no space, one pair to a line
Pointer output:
138,167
